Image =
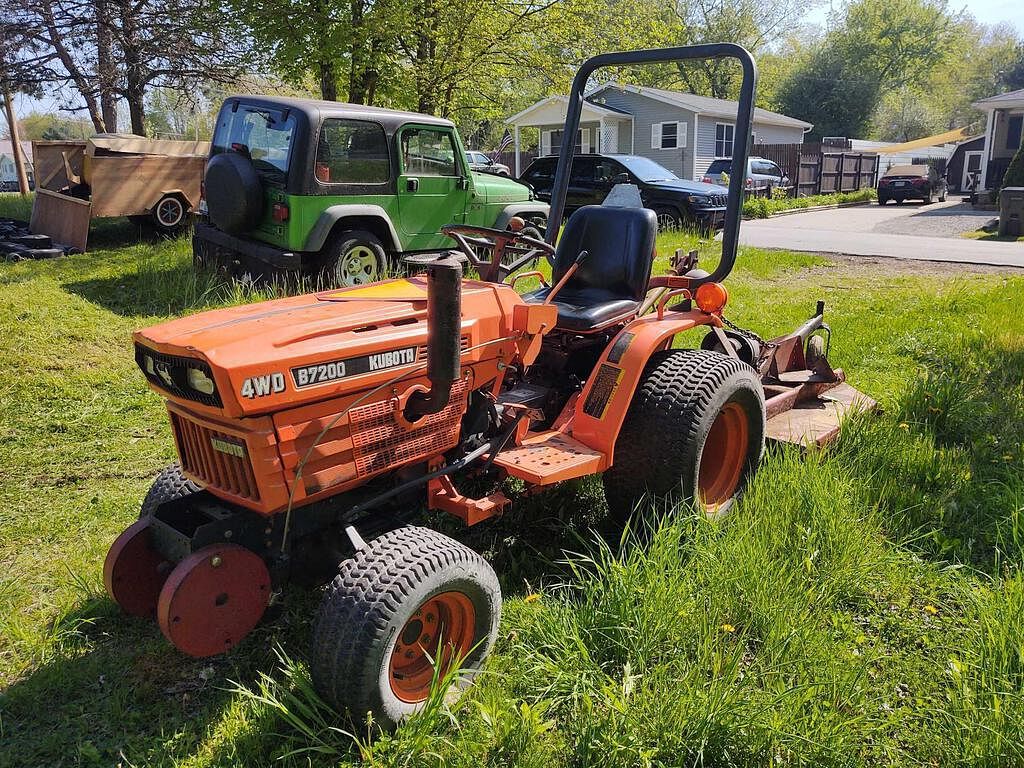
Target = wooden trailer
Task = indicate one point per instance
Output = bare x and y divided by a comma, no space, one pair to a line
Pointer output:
114,175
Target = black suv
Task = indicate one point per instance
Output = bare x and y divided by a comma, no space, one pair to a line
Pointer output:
677,202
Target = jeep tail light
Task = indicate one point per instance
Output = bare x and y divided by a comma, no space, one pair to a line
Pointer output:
279,212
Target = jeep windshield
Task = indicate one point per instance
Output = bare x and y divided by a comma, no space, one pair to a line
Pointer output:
646,170
261,134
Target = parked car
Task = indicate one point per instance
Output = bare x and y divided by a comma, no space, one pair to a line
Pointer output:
762,175
677,202
340,191
911,182
478,161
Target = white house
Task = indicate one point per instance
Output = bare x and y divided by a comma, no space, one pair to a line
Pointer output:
681,131
1003,134
8,173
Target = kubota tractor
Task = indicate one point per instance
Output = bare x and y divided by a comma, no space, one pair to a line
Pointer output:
312,430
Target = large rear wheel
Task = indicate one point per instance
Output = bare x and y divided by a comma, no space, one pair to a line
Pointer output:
354,258
693,433
412,600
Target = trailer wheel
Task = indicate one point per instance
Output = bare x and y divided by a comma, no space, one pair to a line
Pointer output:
694,433
169,214
354,258
409,596
170,484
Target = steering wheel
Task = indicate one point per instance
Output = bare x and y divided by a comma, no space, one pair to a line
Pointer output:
500,242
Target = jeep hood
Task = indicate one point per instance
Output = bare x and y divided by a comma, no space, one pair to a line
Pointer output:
689,187
498,189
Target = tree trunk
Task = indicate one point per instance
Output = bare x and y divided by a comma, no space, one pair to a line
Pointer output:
55,37
106,70
328,81
19,159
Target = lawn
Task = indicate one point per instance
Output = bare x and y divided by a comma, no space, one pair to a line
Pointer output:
864,605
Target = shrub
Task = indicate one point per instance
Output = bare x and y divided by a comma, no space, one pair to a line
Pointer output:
1014,176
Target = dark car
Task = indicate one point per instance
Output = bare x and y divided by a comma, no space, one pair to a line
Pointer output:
911,182
677,202
480,162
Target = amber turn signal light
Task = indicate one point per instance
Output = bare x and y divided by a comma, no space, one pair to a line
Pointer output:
711,298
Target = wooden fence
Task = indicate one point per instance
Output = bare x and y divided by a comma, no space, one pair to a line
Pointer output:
819,170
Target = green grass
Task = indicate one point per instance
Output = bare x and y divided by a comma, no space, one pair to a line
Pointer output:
981,234
763,207
863,606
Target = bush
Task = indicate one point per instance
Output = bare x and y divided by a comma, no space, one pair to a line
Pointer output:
1014,176
763,207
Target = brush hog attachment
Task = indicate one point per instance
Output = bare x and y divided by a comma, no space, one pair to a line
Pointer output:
806,399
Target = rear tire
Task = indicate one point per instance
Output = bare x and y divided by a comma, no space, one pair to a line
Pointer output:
882,201
693,433
170,484
372,639
169,214
354,258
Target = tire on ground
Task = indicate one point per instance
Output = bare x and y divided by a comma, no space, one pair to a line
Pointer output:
669,219
355,257
384,594
170,484
170,214
694,433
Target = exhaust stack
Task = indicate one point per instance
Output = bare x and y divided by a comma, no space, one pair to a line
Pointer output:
444,336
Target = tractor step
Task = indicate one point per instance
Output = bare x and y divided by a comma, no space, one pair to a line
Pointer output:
816,421
549,457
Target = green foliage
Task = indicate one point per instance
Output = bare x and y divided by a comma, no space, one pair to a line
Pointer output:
36,125
763,207
1014,176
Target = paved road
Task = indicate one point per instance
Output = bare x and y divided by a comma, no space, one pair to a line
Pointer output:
908,231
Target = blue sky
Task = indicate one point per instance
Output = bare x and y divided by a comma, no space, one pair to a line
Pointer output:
986,11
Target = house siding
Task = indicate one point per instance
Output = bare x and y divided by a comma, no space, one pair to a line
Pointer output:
764,133
646,112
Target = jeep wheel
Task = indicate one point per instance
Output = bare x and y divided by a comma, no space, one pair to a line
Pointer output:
354,258
669,219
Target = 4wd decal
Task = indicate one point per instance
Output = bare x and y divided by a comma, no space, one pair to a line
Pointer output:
261,386
324,373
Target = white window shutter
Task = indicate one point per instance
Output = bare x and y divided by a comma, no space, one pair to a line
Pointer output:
680,134
655,135
545,143
585,140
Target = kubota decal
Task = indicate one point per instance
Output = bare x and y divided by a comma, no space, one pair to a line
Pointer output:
228,446
325,373
261,386
605,384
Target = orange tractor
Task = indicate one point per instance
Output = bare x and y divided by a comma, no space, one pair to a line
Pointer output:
312,430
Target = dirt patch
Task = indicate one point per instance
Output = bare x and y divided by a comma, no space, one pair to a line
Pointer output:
878,266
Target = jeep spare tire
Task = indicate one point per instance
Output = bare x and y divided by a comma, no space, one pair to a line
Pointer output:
234,195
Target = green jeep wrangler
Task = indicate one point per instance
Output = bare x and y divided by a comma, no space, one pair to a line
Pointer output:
340,191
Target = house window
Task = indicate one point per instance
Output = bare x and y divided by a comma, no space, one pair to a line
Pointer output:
668,135
551,142
1013,131
724,133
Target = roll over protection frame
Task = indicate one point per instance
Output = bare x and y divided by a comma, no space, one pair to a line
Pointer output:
741,143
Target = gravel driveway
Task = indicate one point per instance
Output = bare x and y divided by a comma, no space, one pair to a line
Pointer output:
949,219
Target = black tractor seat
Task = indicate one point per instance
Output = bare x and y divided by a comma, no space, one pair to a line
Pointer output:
612,281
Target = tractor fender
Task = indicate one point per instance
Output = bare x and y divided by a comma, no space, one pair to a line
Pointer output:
602,405
325,224
535,208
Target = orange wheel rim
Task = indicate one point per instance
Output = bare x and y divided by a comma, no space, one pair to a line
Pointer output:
443,627
723,457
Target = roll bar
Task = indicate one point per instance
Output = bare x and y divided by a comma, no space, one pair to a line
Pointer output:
741,143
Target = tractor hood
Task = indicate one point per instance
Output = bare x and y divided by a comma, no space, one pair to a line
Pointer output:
261,357
498,189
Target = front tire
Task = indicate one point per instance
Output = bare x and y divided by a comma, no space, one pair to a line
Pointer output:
669,219
354,258
393,606
169,485
693,433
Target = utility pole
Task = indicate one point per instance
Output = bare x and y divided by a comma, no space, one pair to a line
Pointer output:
19,159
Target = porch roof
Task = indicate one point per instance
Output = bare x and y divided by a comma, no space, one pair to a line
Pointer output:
1011,100
551,111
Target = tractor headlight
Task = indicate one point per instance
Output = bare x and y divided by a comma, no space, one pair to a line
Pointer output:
200,382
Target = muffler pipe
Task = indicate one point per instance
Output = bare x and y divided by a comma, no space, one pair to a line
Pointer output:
444,337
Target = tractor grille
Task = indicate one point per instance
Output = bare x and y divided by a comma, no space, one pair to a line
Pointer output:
216,458
170,374
379,442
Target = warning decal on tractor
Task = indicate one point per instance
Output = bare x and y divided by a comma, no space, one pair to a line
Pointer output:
605,384
325,373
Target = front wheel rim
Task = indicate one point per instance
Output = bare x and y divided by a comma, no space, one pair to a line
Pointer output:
170,212
723,457
667,222
357,266
441,630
